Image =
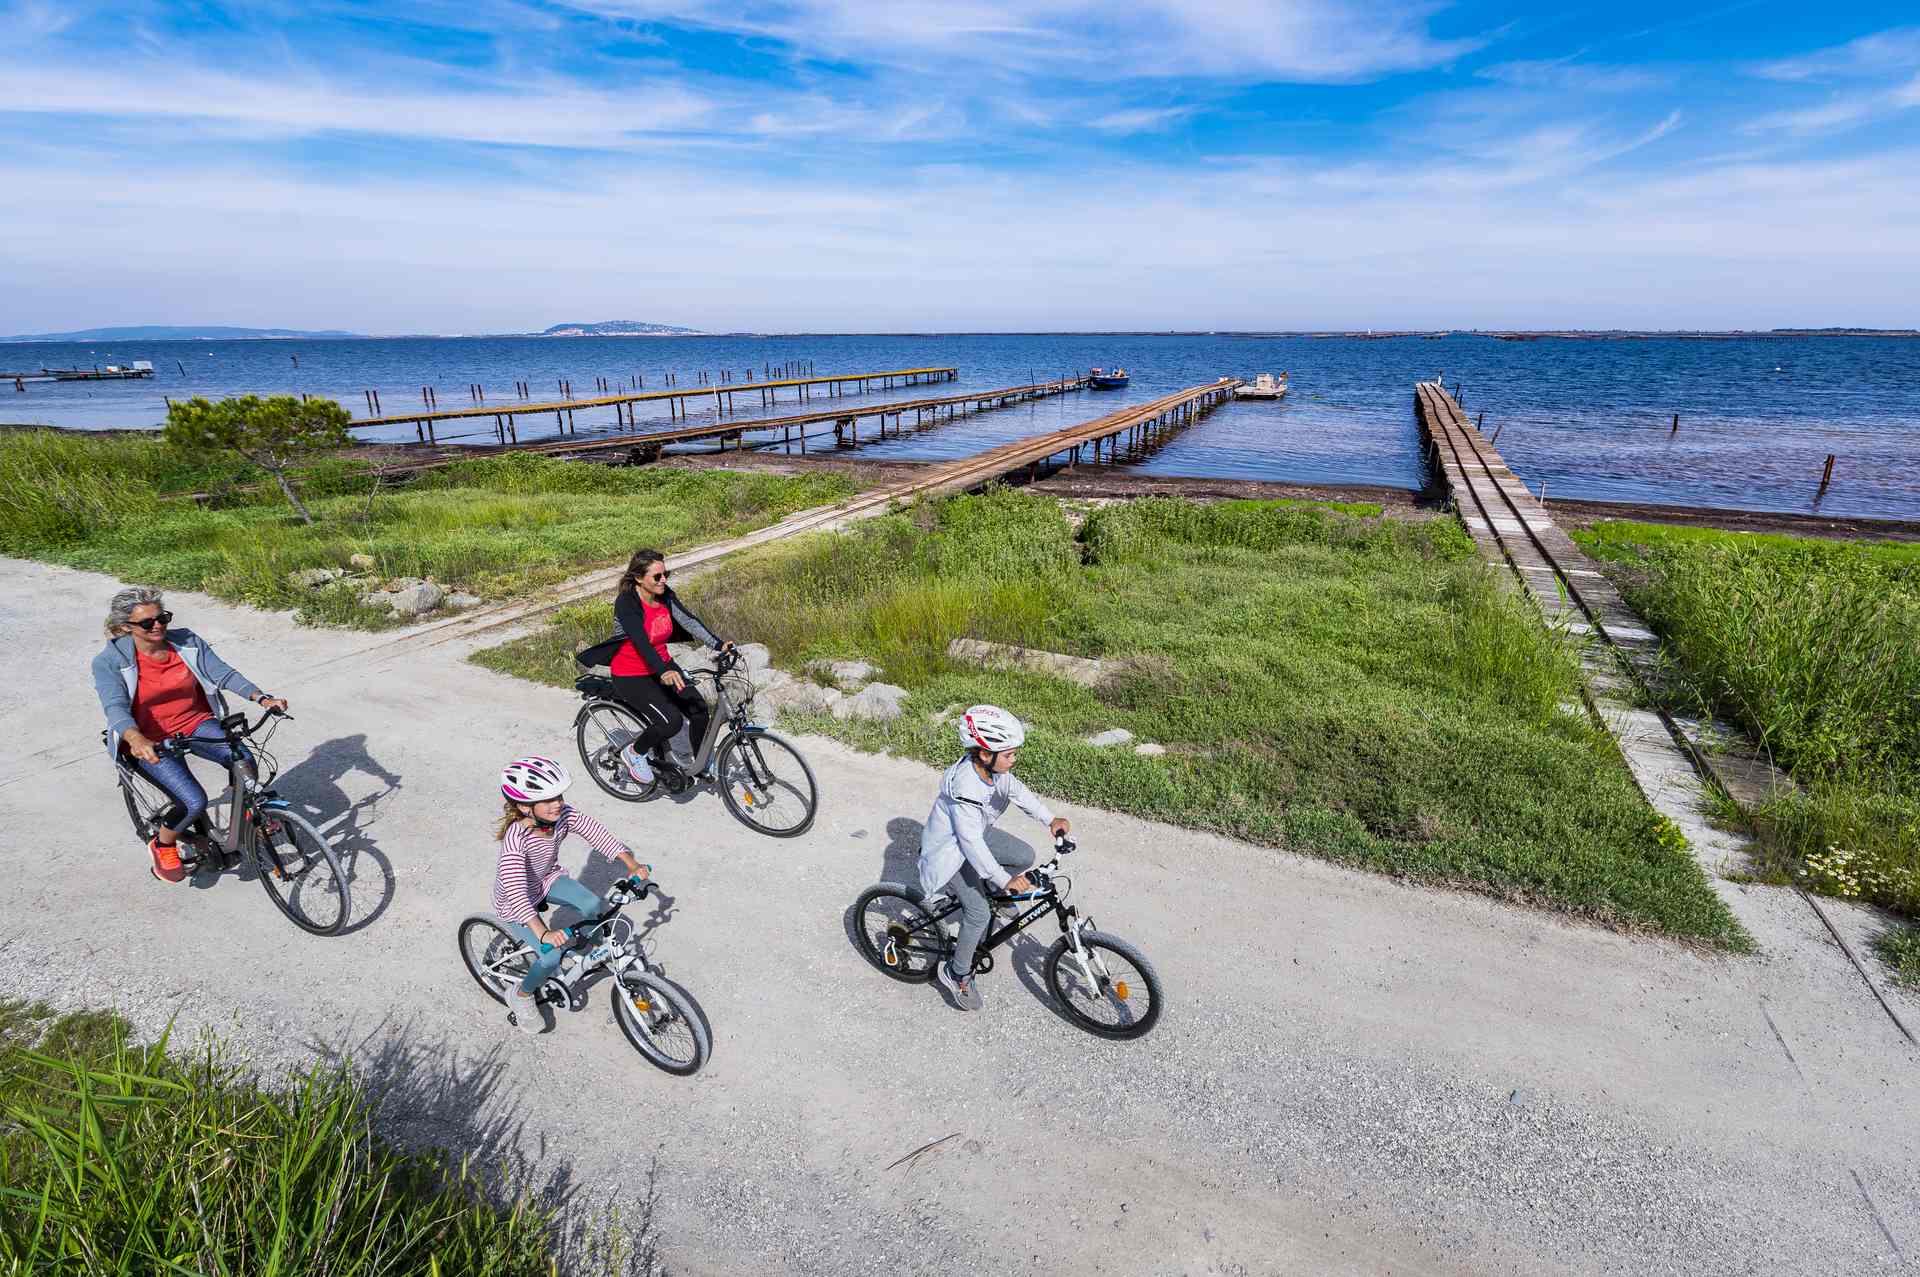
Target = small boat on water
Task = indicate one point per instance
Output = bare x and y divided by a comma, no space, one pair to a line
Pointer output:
1101,379
1265,386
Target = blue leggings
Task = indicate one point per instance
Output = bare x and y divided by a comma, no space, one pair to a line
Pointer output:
575,897
172,775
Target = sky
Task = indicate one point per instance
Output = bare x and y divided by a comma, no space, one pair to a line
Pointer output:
456,166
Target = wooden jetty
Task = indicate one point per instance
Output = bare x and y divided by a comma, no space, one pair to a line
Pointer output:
725,396
1140,426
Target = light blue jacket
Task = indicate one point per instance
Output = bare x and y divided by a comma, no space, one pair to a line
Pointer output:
956,828
116,674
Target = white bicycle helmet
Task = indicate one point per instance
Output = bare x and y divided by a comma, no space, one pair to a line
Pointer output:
533,779
990,728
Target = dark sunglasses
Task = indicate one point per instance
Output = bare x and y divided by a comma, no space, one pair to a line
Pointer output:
158,618
661,575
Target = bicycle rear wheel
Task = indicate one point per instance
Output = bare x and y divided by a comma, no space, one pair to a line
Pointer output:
766,784
147,803
1124,999
300,871
496,958
601,731
897,935
660,1020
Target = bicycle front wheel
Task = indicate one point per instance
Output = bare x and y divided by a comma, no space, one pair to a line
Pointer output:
1115,994
300,872
897,935
496,958
601,731
659,1019
766,784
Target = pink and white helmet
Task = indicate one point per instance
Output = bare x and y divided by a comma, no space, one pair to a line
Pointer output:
533,779
990,728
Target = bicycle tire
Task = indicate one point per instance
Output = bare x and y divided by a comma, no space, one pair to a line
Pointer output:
487,949
1129,1024
601,757
646,1026
900,919
279,825
740,764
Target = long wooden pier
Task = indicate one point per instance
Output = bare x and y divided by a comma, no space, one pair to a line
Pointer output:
724,395
1136,426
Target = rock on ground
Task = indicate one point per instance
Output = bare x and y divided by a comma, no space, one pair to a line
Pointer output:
878,701
1078,669
1147,749
417,600
1112,736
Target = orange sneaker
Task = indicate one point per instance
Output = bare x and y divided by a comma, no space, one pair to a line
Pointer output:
166,862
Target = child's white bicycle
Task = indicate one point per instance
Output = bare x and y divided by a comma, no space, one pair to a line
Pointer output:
657,1015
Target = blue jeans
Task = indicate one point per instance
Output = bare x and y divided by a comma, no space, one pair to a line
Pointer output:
575,897
172,775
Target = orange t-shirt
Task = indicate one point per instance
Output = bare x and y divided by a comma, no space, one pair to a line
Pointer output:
167,701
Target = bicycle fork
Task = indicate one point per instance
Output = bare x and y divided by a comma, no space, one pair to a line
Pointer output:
1092,967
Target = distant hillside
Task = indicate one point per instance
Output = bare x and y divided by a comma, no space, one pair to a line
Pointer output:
619,328
163,332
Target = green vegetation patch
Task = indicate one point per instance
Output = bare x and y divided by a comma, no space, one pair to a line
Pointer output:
117,1157
1899,948
1813,647
496,526
1357,688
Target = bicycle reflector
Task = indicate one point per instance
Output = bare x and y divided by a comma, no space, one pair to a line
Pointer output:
1120,989
640,1003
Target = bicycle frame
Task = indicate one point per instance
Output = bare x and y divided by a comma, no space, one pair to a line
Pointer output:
243,779
597,952
721,716
1069,917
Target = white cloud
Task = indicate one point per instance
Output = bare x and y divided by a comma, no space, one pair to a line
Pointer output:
1297,40
1141,119
1882,53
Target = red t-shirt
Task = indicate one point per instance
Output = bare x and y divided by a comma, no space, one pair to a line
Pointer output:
167,700
627,662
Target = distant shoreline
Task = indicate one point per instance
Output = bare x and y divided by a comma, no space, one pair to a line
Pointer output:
1502,334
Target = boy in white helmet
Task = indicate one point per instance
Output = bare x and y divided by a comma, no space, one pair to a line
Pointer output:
954,855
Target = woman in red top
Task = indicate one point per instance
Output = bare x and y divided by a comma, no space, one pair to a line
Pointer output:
153,683
650,615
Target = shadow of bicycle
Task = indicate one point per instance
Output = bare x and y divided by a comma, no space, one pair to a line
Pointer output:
436,1094
314,787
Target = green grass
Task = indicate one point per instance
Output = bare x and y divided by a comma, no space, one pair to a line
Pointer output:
497,526
1813,647
1899,948
1357,688
123,1158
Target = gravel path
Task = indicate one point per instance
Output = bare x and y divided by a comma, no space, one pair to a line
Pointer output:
1352,1076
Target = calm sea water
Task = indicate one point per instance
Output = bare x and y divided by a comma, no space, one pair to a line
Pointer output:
1586,418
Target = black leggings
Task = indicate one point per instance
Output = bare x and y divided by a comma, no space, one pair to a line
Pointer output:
662,710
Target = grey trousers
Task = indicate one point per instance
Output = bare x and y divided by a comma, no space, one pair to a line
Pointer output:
975,913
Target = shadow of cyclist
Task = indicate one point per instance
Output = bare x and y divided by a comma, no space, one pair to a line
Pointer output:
437,1093
313,786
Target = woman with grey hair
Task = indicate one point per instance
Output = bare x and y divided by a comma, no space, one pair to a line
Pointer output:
159,684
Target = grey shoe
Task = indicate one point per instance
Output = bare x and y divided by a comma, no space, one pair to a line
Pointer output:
524,1014
966,994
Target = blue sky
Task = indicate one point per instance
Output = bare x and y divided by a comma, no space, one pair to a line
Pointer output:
494,165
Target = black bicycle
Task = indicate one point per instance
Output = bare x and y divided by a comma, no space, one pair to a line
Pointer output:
657,1015
767,785
1102,983
295,862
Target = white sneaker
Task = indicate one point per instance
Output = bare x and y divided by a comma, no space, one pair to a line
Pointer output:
637,765
524,1014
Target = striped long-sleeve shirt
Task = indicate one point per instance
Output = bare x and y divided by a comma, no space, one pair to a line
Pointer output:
530,861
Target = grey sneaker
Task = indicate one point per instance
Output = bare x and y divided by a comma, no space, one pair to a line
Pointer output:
524,1014
965,995
637,765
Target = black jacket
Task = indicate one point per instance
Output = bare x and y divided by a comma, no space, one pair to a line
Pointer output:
629,621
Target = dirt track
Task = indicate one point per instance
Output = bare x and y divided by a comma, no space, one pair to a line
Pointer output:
1352,1076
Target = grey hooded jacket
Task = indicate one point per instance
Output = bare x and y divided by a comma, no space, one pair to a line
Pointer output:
116,674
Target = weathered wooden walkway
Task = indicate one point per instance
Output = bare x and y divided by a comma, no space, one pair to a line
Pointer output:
1669,755
1133,426
724,396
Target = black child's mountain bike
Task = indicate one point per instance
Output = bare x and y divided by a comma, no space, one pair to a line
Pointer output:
1103,984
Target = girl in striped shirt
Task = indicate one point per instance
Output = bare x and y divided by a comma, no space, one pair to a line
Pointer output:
535,821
